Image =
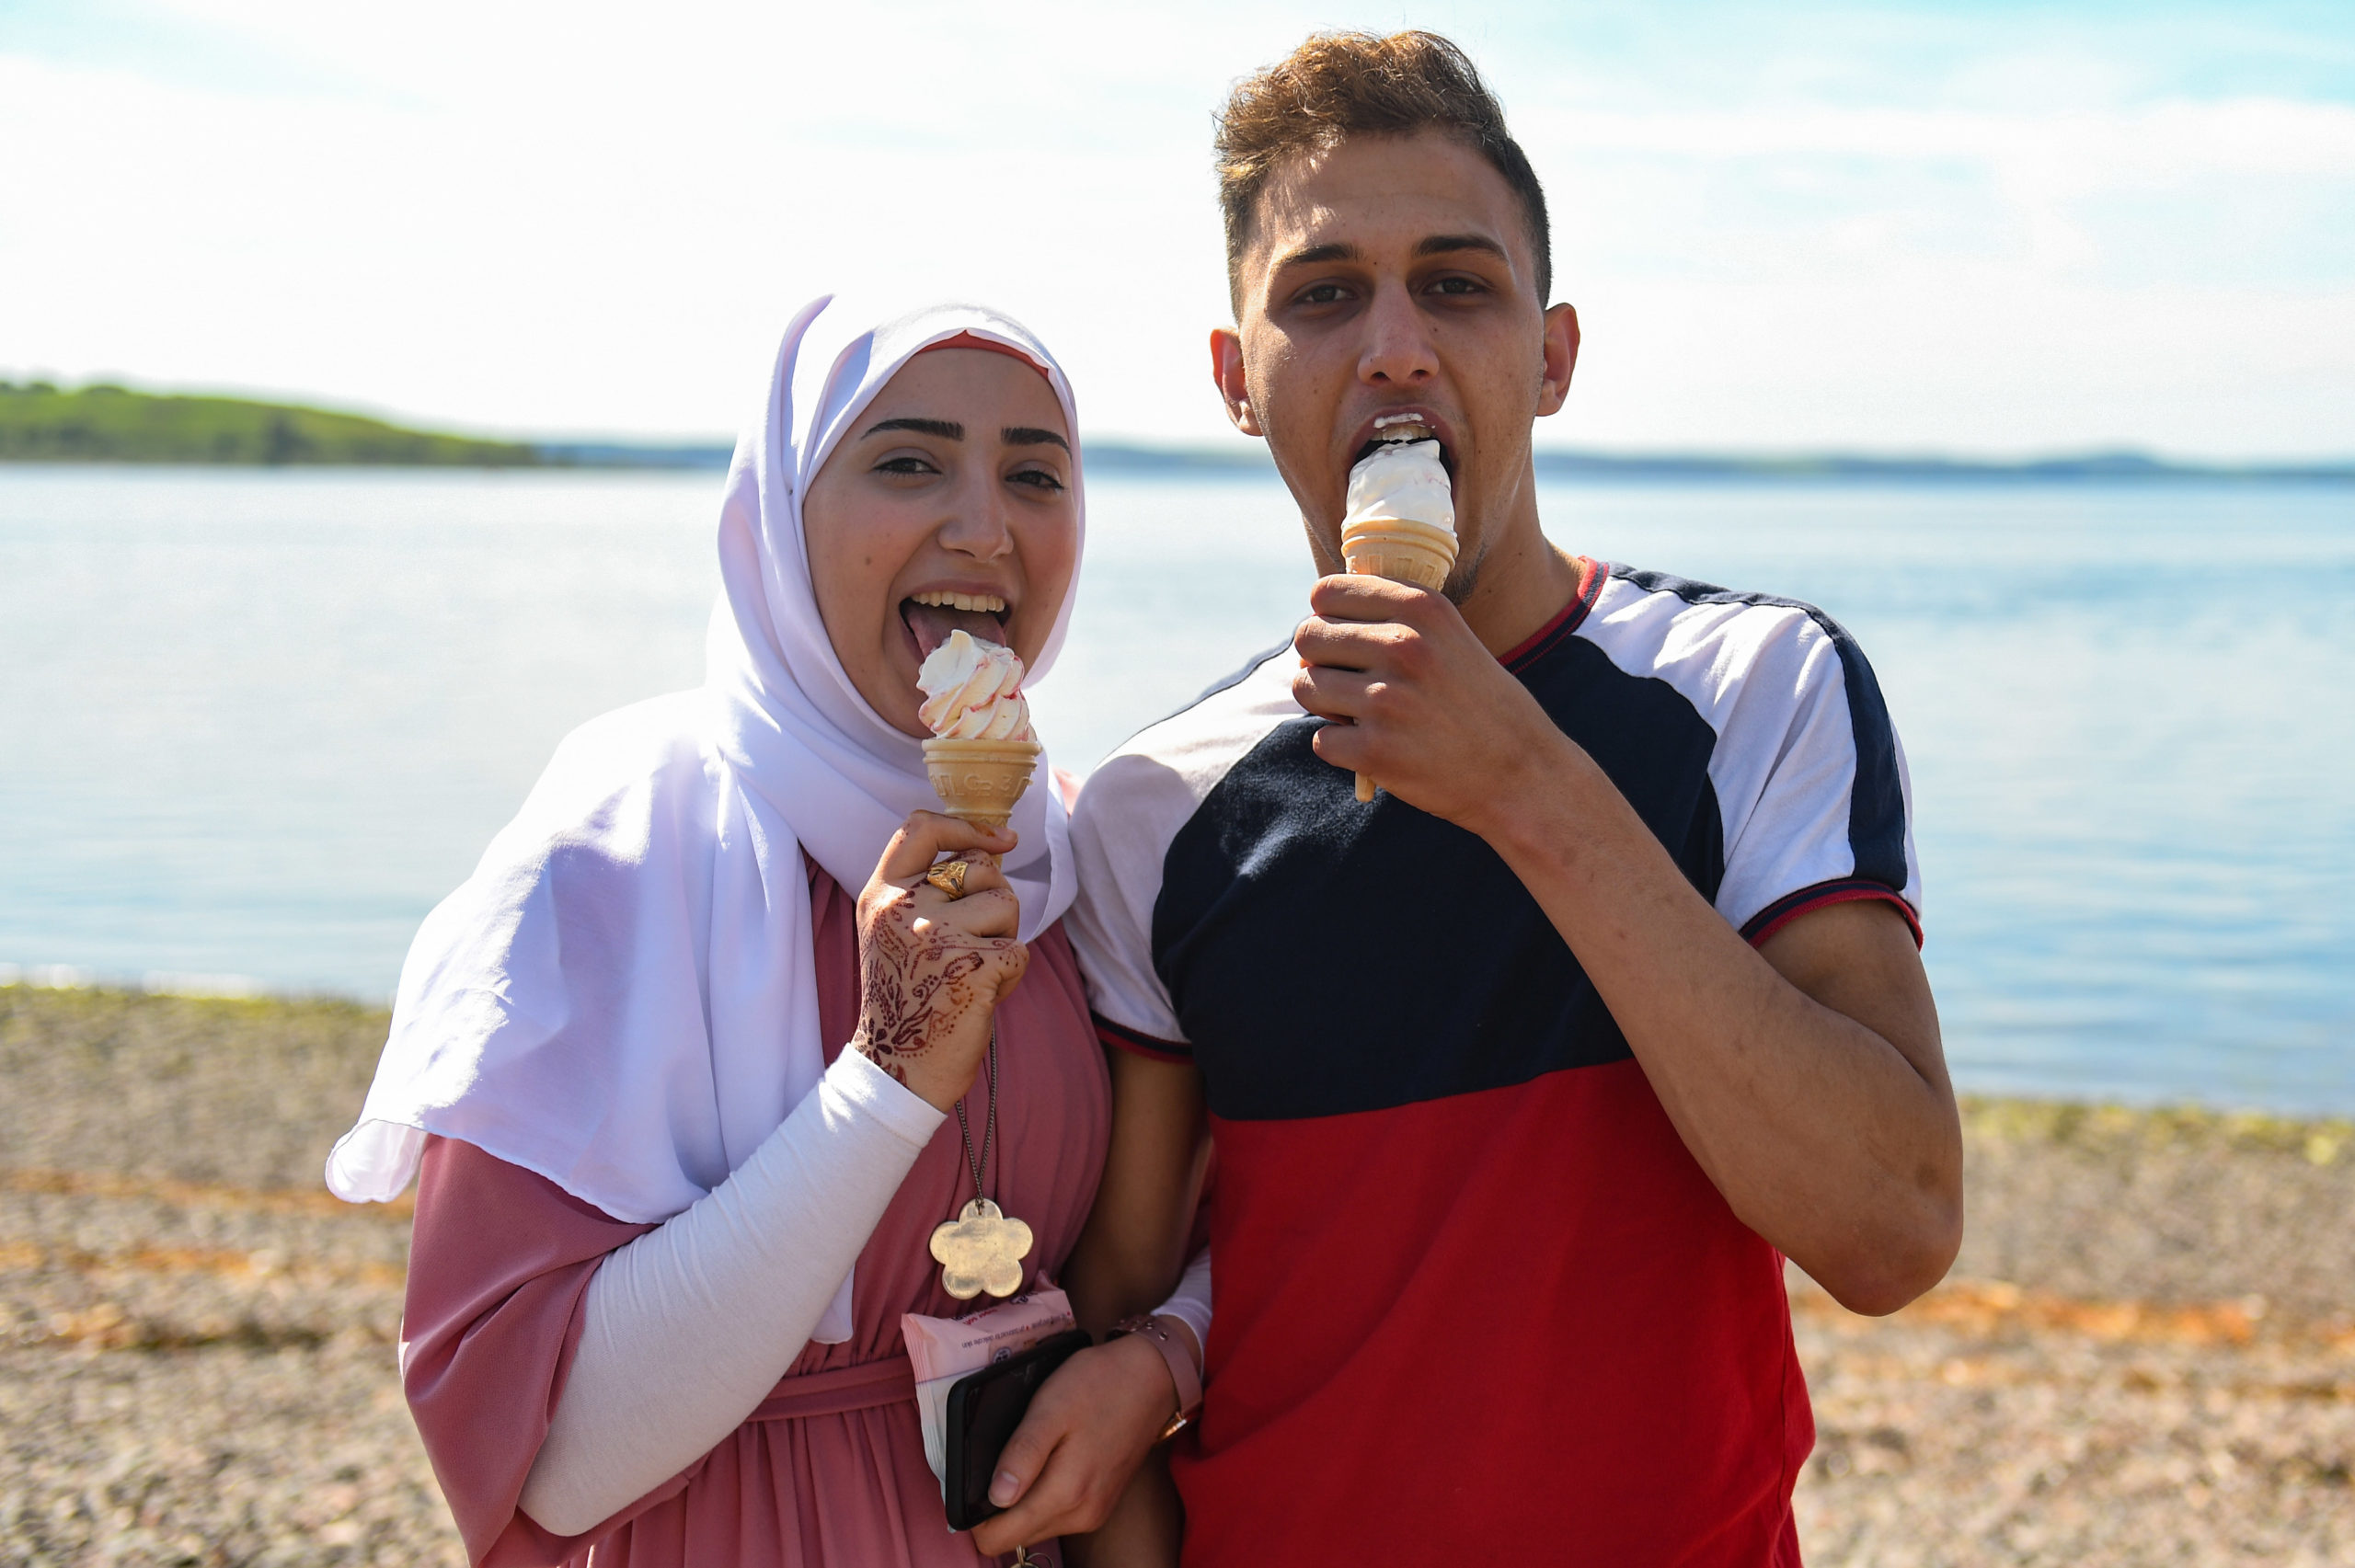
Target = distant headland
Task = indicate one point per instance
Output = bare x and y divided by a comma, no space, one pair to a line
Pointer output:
40,422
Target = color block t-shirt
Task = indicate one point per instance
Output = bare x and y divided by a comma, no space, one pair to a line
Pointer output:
1475,1301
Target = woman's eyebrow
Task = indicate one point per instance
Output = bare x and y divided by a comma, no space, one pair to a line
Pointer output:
946,430
1030,435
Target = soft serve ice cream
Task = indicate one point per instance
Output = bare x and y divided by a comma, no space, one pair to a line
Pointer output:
1403,477
972,691
1401,519
981,752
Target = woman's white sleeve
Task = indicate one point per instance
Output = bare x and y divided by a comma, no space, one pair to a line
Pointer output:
1190,1302
689,1326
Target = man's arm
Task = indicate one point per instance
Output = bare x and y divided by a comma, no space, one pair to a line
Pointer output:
1806,1078
1093,1424
1133,1247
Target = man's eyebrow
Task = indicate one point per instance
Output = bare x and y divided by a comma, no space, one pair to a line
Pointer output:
1440,244
946,430
1338,250
1030,435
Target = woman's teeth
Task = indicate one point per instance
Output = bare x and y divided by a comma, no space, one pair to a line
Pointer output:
988,603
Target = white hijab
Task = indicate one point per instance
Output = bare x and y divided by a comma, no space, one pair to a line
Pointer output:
621,997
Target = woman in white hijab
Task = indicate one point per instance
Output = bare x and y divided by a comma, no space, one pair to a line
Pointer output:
674,1066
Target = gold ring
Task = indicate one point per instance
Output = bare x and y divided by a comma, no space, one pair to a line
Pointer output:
949,877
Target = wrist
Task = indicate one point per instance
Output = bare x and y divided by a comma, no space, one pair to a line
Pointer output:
1170,1342
921,1074
855,1085
1527,790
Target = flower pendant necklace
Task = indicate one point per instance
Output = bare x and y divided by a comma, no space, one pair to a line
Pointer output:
982,1249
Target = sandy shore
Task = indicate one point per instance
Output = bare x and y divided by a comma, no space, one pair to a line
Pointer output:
2146,1354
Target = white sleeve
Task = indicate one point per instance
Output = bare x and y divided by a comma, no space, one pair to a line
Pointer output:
689,1326
1810,785
1811,780
1190,1302
1127,812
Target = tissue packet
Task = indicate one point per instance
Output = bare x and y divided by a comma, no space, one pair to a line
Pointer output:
944,1349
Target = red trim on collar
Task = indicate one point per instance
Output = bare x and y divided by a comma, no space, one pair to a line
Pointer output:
1592,573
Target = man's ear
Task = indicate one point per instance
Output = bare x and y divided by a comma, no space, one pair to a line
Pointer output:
1561,358
1226,369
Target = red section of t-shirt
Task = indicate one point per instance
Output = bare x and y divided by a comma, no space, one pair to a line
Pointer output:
1515,1326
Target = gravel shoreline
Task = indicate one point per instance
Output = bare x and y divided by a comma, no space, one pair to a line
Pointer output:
2145,1354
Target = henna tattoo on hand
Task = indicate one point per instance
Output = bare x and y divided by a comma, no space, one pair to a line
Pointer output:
916,990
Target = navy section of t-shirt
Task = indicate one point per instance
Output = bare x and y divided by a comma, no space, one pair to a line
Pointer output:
1395,956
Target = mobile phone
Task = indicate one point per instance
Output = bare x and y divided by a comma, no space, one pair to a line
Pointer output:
984,1408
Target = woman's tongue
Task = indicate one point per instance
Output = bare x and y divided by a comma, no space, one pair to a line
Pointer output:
933,622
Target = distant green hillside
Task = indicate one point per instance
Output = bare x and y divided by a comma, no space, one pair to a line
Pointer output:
39,423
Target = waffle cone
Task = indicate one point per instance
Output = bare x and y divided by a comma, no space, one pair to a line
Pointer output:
980,780
1401,549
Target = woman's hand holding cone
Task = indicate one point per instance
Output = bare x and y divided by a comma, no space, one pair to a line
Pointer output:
932,969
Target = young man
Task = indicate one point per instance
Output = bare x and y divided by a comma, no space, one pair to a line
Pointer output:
1524,1078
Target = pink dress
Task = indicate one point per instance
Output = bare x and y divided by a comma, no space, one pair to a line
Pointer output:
830,1469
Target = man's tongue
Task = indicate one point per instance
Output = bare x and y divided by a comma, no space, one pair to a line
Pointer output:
933,622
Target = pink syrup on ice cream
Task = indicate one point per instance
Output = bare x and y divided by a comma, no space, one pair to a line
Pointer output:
972,691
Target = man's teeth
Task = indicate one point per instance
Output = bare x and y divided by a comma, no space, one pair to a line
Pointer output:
988,603
1395,436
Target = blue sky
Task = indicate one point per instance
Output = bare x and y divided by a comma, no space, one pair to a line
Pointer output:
1989,228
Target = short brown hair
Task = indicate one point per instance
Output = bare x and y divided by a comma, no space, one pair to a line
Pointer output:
1347,83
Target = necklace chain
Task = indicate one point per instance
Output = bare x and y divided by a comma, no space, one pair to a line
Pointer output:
989,1122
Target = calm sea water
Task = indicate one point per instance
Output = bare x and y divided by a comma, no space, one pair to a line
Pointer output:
252,726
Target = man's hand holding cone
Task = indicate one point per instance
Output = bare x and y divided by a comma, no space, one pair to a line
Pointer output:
1417,700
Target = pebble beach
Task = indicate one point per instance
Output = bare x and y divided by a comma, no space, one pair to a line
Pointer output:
2146,1354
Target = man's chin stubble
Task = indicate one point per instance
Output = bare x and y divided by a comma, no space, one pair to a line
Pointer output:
1465,577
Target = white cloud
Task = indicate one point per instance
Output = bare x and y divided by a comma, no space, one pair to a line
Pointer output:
2245,136
2179,275
588,219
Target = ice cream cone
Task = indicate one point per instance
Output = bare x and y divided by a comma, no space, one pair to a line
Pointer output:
1401,549
980,780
